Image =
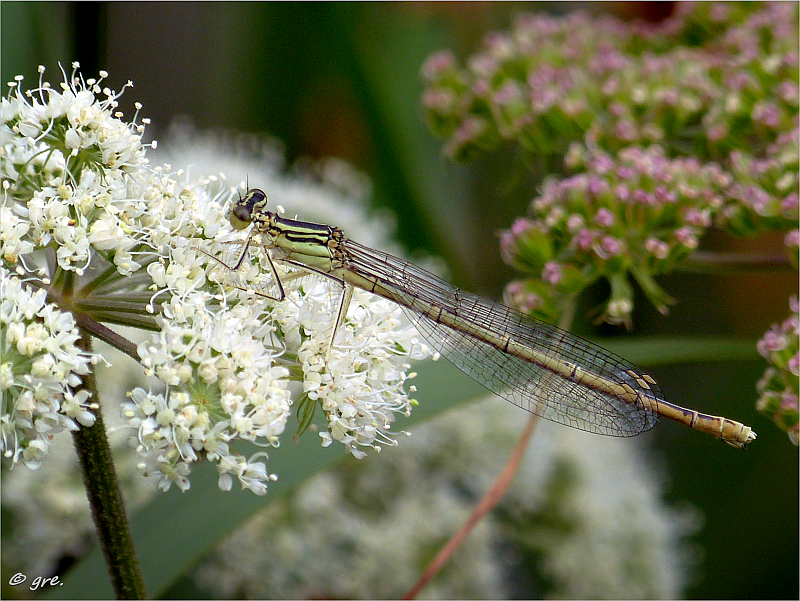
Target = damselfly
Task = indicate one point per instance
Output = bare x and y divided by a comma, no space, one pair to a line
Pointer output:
536,366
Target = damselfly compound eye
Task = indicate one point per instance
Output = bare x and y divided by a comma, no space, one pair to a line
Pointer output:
240,216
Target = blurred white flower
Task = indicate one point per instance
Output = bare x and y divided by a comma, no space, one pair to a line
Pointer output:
585,514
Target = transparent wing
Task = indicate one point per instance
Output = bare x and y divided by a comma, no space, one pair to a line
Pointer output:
532,387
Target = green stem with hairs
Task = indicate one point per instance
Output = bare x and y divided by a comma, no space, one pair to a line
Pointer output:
105,498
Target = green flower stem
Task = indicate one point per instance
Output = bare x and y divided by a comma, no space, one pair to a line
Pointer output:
143,322
121,312
111,274
100,280
660,299
108,510
127,307
567,315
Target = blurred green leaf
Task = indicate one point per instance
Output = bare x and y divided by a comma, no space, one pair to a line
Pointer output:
664,350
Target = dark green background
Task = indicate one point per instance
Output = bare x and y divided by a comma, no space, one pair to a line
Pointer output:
342,79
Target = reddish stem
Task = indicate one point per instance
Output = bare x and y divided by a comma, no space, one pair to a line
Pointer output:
490,499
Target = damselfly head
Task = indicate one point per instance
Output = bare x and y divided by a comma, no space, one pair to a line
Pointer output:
242,211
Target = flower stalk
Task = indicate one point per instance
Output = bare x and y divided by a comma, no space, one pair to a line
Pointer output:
105,498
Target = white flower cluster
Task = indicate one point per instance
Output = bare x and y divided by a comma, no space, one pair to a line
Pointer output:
65,158
359,383
223,384
117,240
40,362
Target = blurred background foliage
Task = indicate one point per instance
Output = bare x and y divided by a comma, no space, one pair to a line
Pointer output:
342,79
